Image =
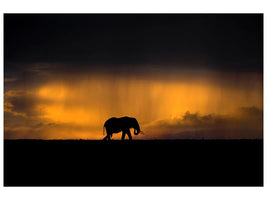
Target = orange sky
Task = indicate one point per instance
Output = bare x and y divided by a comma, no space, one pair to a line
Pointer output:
76,107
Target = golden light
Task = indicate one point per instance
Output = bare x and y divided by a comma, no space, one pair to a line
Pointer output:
84,104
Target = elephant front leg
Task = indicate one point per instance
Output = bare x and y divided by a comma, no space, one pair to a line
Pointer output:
123,135
129,134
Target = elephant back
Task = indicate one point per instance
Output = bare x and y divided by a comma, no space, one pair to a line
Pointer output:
117,122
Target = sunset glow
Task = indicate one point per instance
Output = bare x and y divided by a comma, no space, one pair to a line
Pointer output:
80,107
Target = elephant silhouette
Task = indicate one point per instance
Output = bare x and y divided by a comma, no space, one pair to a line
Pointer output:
116,125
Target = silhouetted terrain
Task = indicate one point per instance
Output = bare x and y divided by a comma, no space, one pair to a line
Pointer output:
133,163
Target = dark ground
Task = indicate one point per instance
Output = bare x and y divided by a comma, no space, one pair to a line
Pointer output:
136,163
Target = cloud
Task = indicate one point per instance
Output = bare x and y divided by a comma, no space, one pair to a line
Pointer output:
253,113
245,123
21,102
140,39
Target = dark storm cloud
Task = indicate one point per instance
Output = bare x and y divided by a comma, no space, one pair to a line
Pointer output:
246,123
251,112
16,121
190,120
25,77
20,102
220,42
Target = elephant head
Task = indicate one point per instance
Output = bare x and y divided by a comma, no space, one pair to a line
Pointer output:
135,126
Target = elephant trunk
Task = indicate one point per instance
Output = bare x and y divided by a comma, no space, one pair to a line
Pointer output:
136,132
137,129
135,126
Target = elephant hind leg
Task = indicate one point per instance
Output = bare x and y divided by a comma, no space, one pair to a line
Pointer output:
107,137
109,133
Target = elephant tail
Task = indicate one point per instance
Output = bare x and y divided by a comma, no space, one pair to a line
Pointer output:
104,130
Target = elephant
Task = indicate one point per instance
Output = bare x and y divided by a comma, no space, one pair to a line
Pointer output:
116,125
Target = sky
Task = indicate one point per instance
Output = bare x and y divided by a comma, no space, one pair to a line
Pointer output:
181,76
